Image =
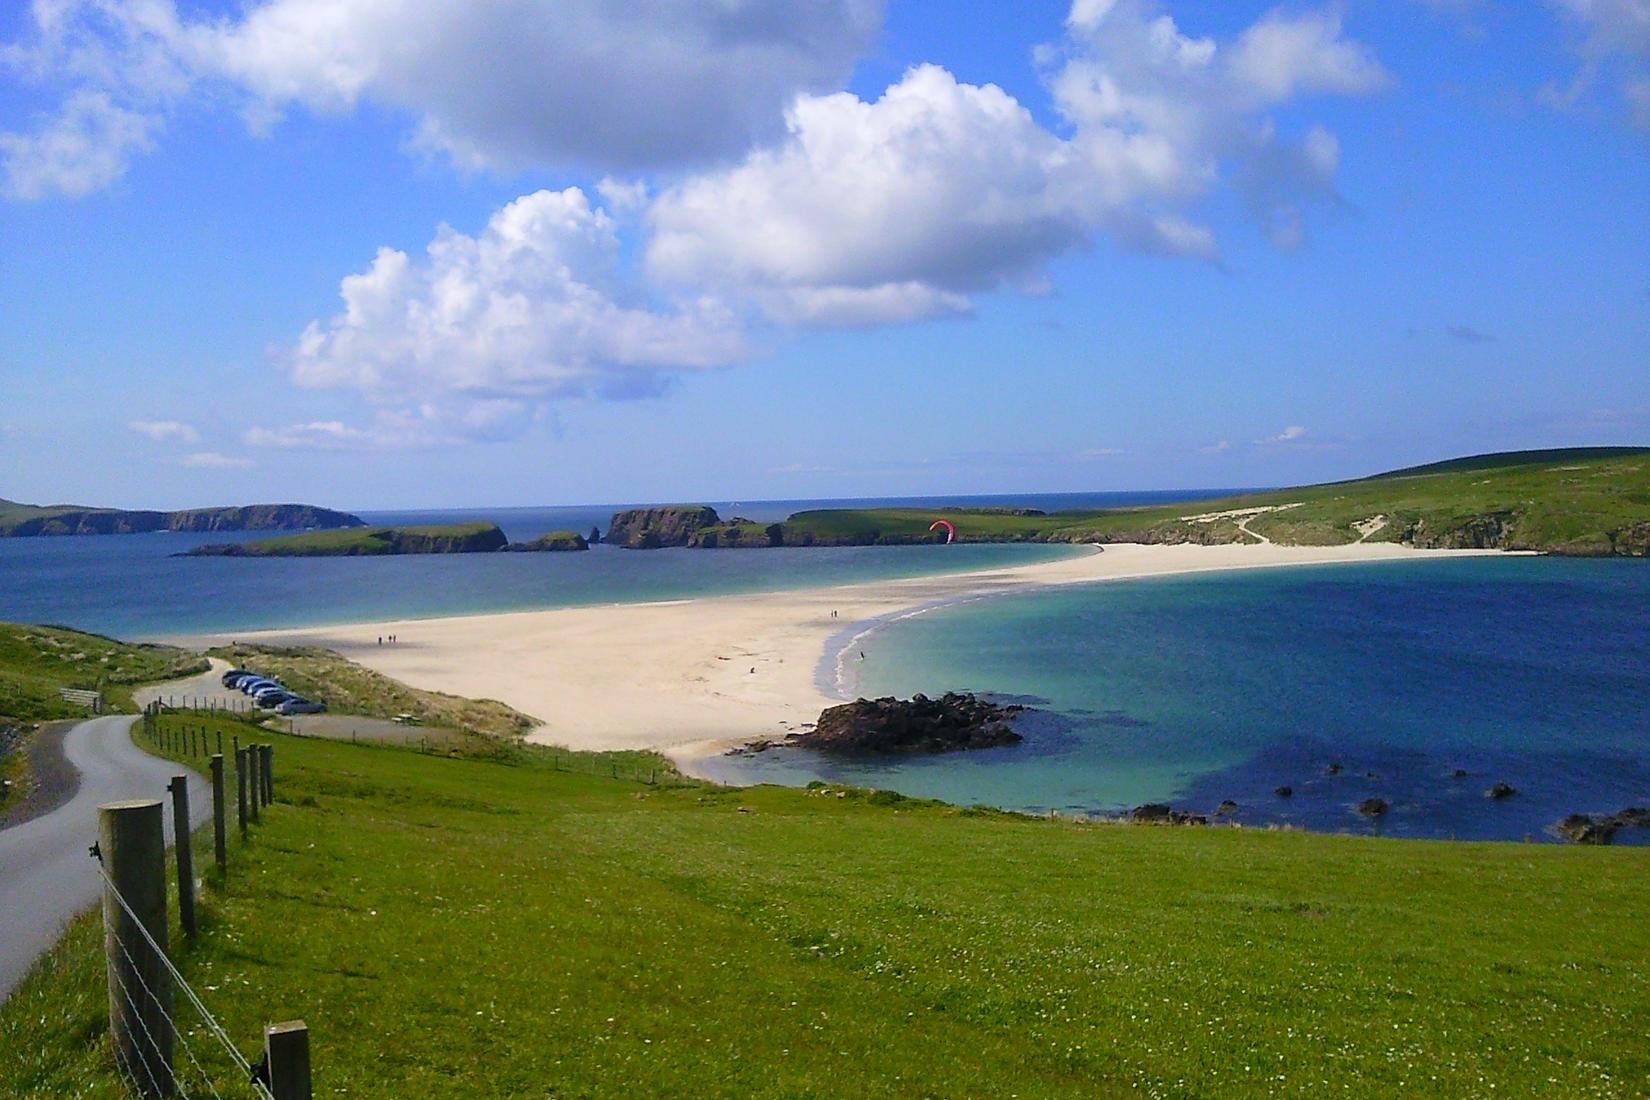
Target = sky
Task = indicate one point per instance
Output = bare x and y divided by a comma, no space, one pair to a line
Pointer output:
407,253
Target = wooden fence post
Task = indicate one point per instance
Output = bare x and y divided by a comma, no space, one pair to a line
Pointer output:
183,853
286,1054
220,848
266,771
131,842
253,783
240,789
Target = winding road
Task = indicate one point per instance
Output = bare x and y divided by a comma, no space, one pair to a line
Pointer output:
46,876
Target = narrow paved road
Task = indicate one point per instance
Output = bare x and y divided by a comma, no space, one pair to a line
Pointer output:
46,877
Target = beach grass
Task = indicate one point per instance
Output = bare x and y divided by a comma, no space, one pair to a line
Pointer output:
349,688
468,928
37,661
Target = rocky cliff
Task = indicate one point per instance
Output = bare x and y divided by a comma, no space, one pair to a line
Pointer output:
649,528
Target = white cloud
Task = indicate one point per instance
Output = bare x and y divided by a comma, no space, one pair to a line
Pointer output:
1614,45
83,148
465,338
509,83
898,209
1292,434
163,430
211,460
331,435
1095,453
1216,448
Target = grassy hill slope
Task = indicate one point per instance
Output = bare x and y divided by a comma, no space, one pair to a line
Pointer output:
465,929
1589,501
35,661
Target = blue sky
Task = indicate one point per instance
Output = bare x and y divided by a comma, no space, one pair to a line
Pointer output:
818,248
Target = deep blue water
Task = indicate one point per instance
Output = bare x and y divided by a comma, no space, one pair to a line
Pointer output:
132,586
1192,690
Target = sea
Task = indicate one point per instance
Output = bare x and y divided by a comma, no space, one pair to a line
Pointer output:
1420,683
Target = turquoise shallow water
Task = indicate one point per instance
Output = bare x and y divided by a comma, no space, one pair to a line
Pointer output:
1530,671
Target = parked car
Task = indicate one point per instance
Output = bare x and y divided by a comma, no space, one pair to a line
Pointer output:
270,700
256,684
234,676
301,706
265,692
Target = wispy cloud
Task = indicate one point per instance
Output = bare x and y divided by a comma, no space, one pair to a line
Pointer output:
1469,335
1292,434
212,460
317,435
1216,448
163,430
1094,453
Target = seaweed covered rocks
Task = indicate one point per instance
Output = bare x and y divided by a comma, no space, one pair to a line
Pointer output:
954,721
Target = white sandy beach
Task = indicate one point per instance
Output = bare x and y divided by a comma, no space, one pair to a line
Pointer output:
692,677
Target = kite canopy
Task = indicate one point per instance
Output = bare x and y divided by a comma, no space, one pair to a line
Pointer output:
950,529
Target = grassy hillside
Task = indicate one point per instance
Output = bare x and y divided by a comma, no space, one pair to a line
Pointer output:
35,661
1591,501
453,538
77,519
466,929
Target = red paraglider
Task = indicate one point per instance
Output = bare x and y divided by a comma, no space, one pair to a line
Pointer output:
950,529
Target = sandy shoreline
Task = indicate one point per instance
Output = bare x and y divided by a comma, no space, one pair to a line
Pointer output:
695,677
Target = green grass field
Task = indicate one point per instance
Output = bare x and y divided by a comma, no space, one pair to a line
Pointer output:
461,928
1591,501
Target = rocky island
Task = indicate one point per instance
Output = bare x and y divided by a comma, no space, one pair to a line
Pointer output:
457,538
953,722
23,520
555,541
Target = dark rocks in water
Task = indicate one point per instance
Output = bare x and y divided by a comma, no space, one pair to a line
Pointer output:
1226,807
1372,807
1500,791
1161,813
1458,773
1285,792
650,528
955,721
595,536
1582,829
1332,768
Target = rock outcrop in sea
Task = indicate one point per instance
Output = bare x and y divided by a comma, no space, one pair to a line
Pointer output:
650,528
954,721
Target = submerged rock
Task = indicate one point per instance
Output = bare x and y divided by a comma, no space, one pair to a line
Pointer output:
1226,807
1285,792
1500,791
1332,768
1372,807
956,720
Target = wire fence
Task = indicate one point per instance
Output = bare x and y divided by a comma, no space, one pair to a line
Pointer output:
237,1075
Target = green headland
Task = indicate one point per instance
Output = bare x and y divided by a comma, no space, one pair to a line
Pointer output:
18,520
1583,501
454,538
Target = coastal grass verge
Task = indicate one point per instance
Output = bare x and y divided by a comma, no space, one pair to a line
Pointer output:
480,928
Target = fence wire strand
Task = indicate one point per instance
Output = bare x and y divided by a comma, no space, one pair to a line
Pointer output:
213,1028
